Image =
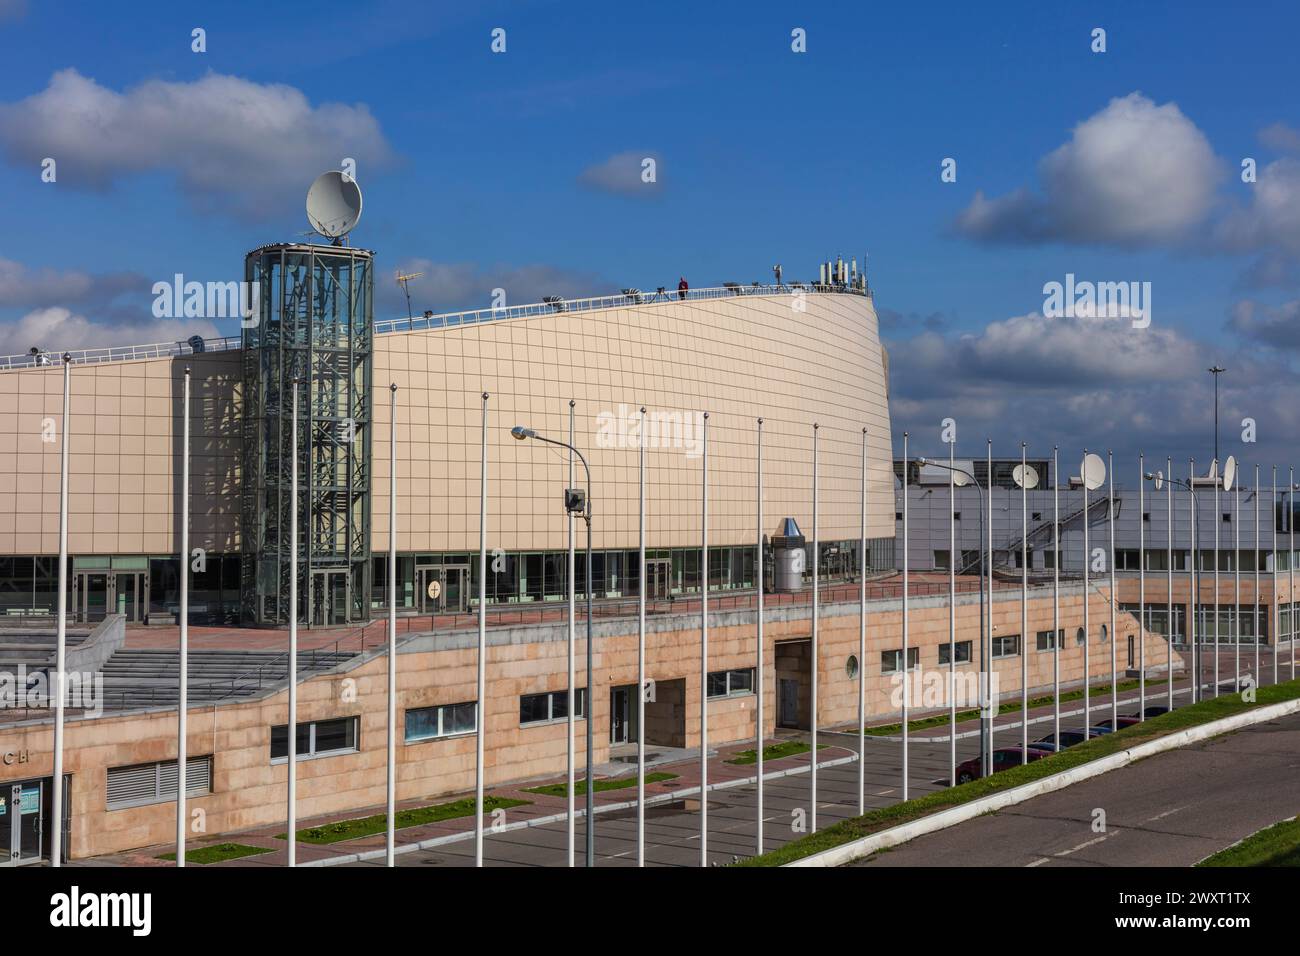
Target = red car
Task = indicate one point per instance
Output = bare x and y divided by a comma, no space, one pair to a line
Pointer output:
1004,758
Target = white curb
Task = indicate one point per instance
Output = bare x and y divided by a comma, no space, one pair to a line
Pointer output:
838,856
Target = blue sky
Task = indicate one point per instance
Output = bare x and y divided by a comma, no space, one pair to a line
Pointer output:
473,167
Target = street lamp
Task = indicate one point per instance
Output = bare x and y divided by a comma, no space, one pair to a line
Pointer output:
1216,371
578,501
962,478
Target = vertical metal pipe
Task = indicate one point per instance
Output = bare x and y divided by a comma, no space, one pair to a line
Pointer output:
1143,617
1218,520
1273,575
640,657
1290,565
992,702
1258,490
902,664
1087,627
182,703
862,640
573,692
1024,608
1236,586
1114,594
759,567
1194,586
480,718
952,615
61,627
1169,581
1056,597
391,838
704,650
293,629
816,550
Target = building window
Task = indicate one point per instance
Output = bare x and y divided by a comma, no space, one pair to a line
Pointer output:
156,782
444,720
941,560
1080,637
734,683
963,652
851,666
890,661
1126,560
1045,642
1006,645
554,705
316,739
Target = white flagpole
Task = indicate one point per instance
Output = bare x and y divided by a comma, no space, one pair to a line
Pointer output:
1218,483
640,662
862,640
182,703
759,574
573,694
1142,588
61,627
952,615
1114,594
1273,574
816,549
479,721
390,846
1024,608
704,649
1194,579
293,631
1056,597
1258,491
1290,563
1087,627
906,616
1169,580
993,704
1236,586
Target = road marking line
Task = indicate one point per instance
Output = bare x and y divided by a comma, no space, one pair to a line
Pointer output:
1040,861
1161,816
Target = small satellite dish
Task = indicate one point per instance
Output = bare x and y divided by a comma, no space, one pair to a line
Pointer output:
1229,473
1214,469
1025,476
960,480
1159,480
1093,472
333,204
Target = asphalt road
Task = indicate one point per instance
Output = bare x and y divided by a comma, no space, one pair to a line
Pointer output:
1170,810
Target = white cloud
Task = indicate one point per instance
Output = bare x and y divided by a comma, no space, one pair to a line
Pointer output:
23,287
1281,137
56,329
1270,222
233,144
1132,174
622,174
1278,326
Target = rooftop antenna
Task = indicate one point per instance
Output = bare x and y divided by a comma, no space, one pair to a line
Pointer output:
405,282
334,205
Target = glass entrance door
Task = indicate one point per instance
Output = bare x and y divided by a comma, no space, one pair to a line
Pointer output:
658,574
620,699
21,819
329,597
90,596
442,588
130,596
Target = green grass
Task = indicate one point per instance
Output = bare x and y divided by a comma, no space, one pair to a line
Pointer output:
897,814
580,786
1009,707
416,816
774,752
217,853
1278,845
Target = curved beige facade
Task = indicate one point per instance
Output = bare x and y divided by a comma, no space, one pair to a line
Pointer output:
738,358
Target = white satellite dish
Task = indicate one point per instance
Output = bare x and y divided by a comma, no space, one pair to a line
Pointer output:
1025,476
334,204
1214,469
1093,472
960,480
1159,480
1229,473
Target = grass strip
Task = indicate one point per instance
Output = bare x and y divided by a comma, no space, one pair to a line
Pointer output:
1278,845
217,853
580,786
1009,707
416,816
774,752
897,814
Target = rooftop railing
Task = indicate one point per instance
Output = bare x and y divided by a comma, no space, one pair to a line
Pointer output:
553,305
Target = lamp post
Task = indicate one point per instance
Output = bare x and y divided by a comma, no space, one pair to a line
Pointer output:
1216,371
962,478
578,502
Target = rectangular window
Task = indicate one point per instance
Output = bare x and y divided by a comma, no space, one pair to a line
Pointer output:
1006,645
963,652
317,738
1045,642
941,560
156,782
554,705
444,720
891,660
734,683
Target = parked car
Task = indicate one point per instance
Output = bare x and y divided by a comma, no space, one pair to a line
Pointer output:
1045,745
1100,729
1068,738
1155,711
1004,758
1122,721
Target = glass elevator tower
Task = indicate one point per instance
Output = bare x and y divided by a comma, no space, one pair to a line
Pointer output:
311,329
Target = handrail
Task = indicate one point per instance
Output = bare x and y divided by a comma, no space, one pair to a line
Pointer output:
121,353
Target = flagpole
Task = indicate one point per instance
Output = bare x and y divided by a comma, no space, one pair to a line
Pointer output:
812,753
993,705
640,658
704,649
293,631
1056,598
391,838
1024,606
573,693
906,615
1169,581
1087,626
1273,584
182,703
1142,588
862,640
1114,595
1290,563
1194,579
61,627
760,568
952,614
1236,585
480,721
1258,490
